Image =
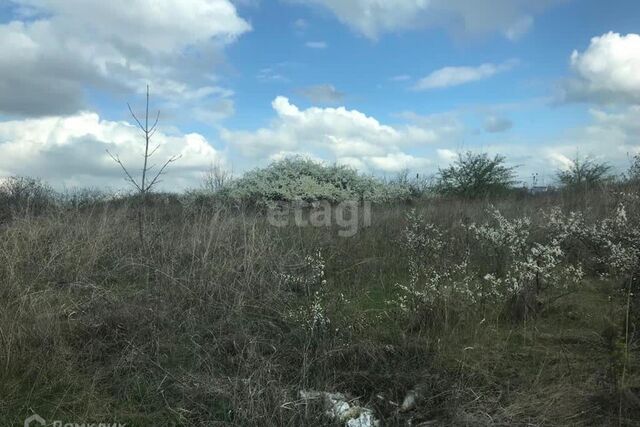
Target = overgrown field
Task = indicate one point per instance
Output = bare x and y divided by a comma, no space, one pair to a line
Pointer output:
517,311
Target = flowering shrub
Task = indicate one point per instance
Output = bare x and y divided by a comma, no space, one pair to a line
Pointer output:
318,311
523,266
620,236
565,227
313,316
442,276
613,242
299,179
310,279
504,239
436,274
513,261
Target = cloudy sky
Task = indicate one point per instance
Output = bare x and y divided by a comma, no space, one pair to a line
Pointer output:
381,85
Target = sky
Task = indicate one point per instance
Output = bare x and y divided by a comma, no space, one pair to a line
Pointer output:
379,85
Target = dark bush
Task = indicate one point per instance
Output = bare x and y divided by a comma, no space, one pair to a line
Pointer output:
24,196
476,175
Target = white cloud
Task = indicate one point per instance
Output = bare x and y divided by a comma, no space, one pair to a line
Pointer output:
423,143
611,136
373,18
613,133
559,160
71,151
519,28
338,134
497,124
447,155
316,45
456,76
448,124
400,78
162,26
396,162
607,72
66,46
322,94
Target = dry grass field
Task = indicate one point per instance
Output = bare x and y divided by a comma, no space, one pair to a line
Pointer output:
219,318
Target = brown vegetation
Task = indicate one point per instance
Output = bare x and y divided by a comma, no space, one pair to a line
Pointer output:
194,327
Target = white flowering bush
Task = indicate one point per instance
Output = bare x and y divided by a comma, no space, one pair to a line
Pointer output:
513,261
612,243
300,179
620,236
438,276
523,267
503,238
565,226
318,312
309,279
313,317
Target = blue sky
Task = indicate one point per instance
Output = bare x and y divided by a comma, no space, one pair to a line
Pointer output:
380,86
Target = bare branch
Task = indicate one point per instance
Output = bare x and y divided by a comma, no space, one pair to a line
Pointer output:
136,119
155,123
161,171
129,177
153,151
217,177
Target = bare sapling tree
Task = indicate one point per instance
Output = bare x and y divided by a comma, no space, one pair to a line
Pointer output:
217,177
150,173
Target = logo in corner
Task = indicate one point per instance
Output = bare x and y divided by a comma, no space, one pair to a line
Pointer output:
34,420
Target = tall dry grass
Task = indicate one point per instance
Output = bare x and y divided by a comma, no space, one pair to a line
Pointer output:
193,328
